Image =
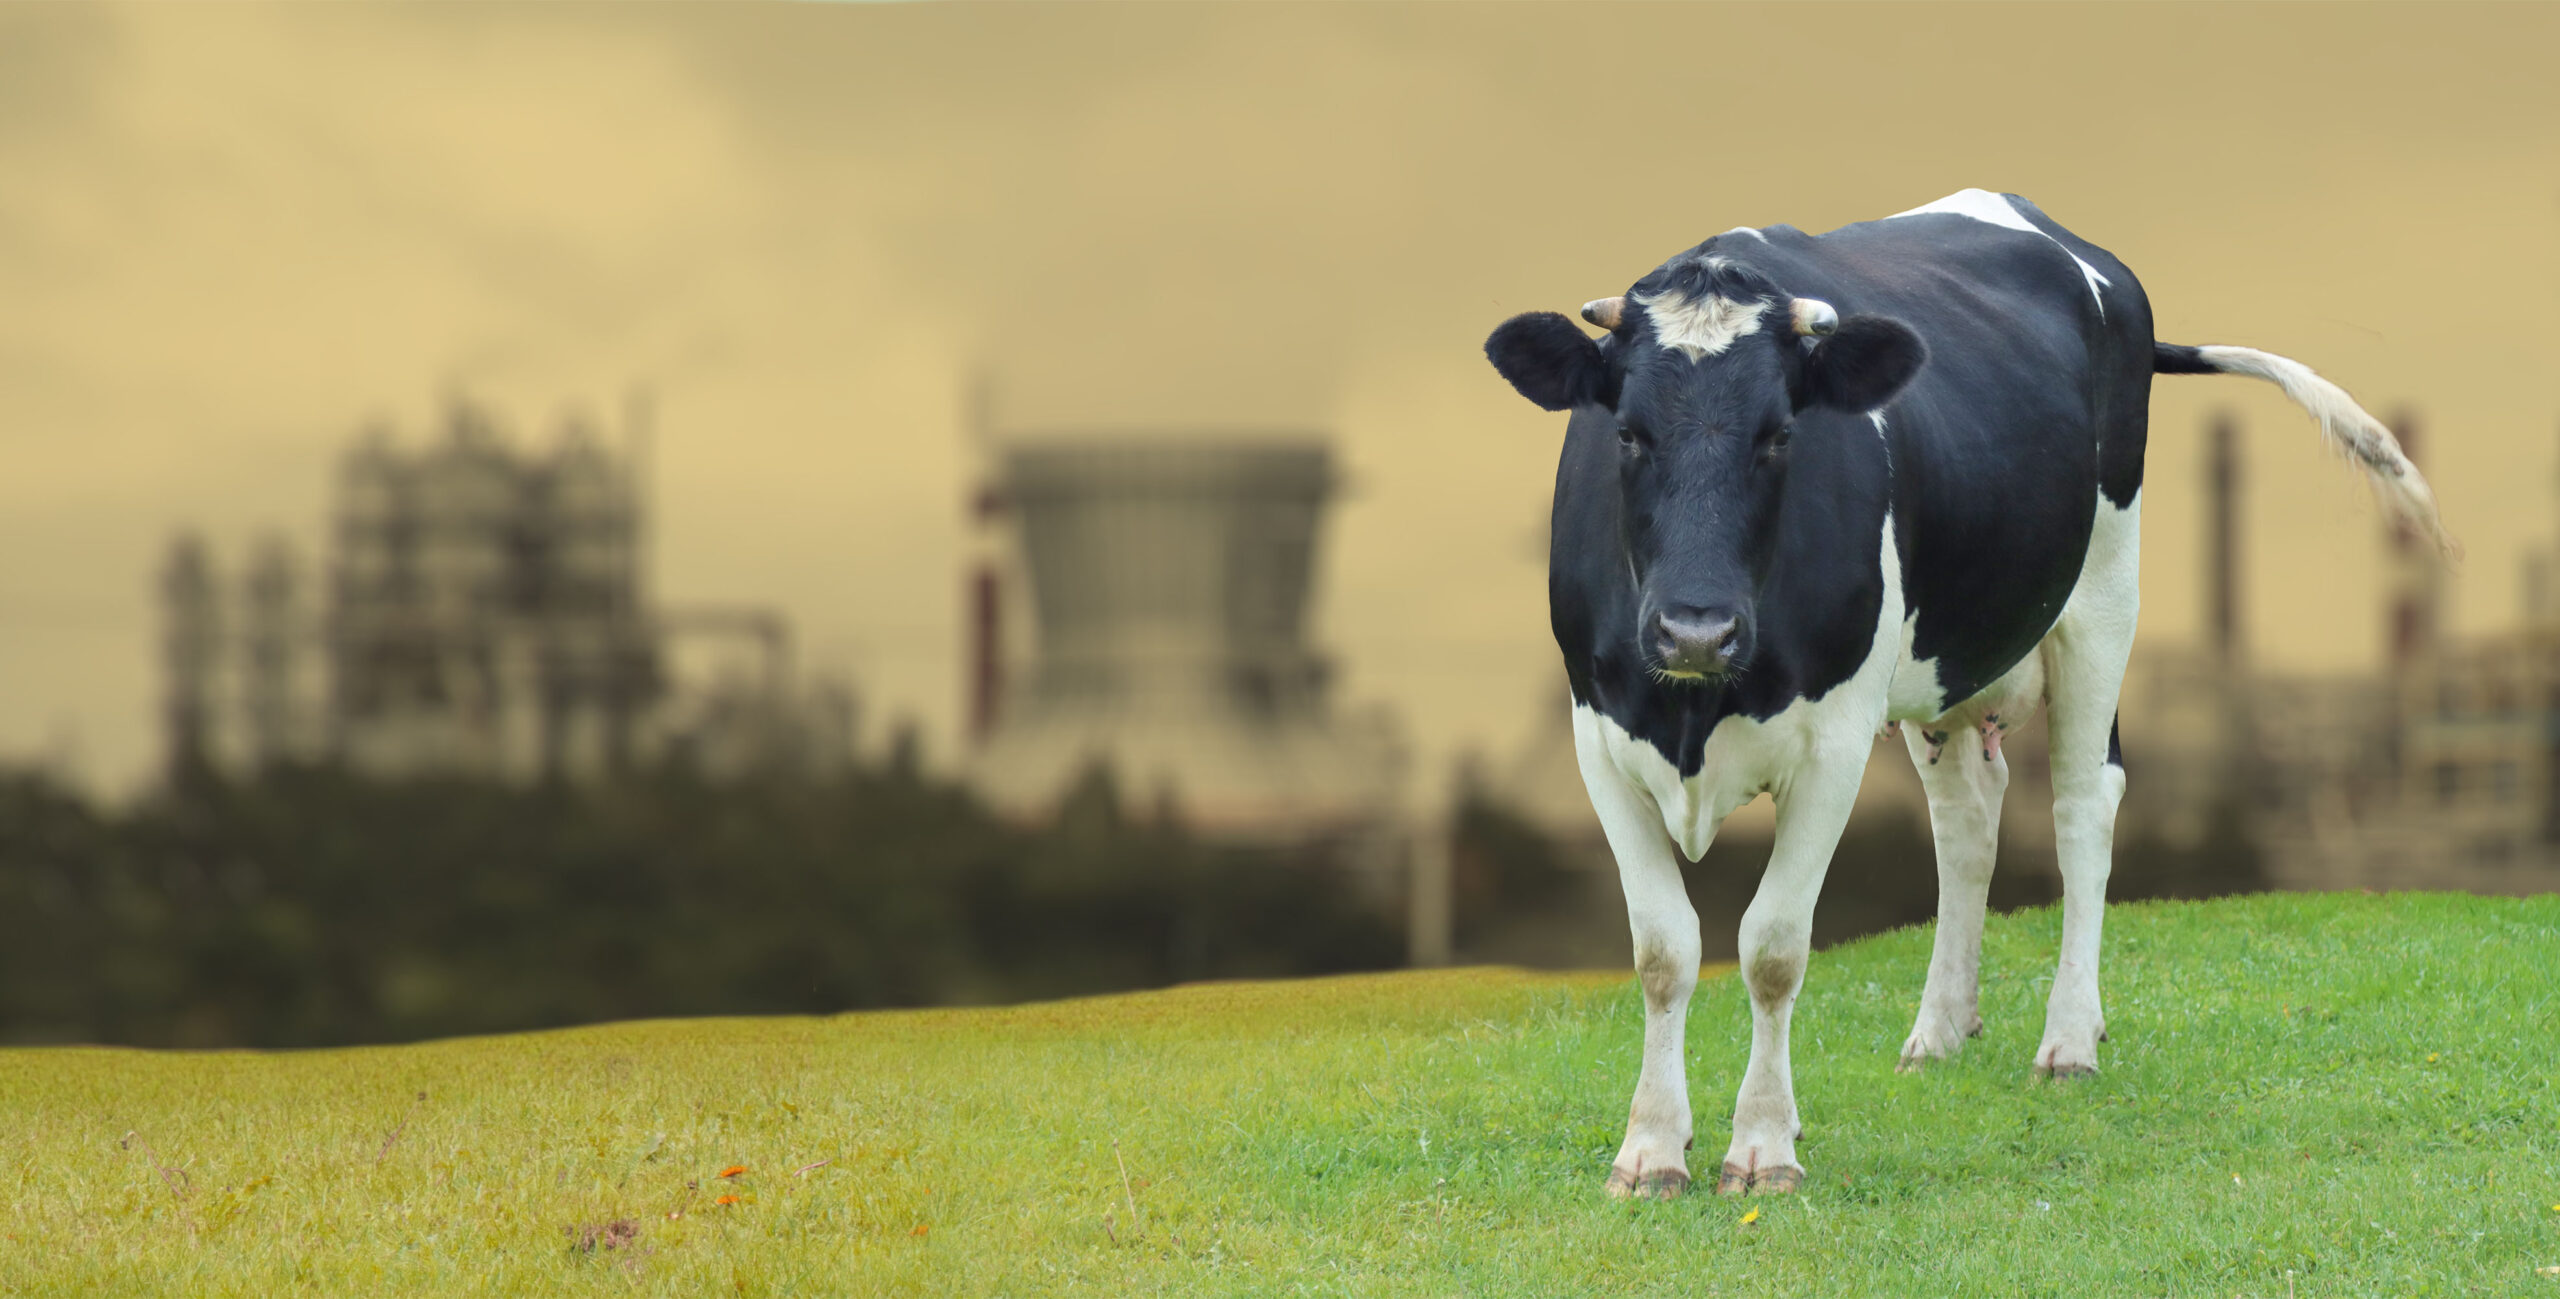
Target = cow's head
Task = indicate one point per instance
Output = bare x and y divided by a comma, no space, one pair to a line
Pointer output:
1711,370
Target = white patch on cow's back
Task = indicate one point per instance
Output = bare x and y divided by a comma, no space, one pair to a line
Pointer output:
1983,205
1701,327
1746,757
1748,230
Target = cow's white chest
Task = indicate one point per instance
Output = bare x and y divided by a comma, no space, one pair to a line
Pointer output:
1745,757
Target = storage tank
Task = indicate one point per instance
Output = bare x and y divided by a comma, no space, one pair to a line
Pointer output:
1168,584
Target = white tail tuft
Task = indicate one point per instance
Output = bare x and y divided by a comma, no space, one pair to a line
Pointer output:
2351,431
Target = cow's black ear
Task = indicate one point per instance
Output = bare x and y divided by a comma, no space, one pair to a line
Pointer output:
1548,358
1863,364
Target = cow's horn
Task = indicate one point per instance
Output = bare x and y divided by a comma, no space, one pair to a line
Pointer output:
1605,312
1814,318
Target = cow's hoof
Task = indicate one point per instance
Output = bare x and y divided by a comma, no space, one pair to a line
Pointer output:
1783,1179
2069,1055
1659,1184
1935,1037
2052,1063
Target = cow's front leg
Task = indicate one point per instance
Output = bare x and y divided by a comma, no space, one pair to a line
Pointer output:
1777,936
1653,1160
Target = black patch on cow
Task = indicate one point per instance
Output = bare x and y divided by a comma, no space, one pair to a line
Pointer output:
1863,365
1548,358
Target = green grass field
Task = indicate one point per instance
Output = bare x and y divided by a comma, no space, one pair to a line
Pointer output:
2308,1096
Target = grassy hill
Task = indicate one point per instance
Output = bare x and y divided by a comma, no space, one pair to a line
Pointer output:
2305,1095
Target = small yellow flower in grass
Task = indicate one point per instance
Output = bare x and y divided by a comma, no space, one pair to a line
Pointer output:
2431,1057
1751,1217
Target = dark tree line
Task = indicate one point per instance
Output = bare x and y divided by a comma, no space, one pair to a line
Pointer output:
314,907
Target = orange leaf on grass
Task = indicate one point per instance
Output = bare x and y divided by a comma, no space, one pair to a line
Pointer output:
733,1170
726,1199
921,1228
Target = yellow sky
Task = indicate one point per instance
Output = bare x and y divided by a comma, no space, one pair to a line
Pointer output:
227,235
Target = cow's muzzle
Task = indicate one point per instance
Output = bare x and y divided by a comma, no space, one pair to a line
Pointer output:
1691,642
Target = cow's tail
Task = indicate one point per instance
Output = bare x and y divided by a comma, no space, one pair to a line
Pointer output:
2347,427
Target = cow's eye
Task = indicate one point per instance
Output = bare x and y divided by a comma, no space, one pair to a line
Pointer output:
1777,443
1627,437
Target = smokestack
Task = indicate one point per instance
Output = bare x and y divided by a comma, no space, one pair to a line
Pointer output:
2537,590
985,592
639,430
2416,577
986,651
986,626
2540,612
2222,538
191,654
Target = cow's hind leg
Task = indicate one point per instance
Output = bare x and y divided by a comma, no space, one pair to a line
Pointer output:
2085,657
1777,936
1653,1160
1964,790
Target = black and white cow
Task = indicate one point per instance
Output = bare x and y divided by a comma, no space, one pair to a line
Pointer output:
1816,485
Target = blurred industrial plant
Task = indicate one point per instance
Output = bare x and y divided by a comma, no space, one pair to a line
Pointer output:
483,611
1164,585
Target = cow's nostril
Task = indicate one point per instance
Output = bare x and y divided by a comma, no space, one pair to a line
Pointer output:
1666,636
